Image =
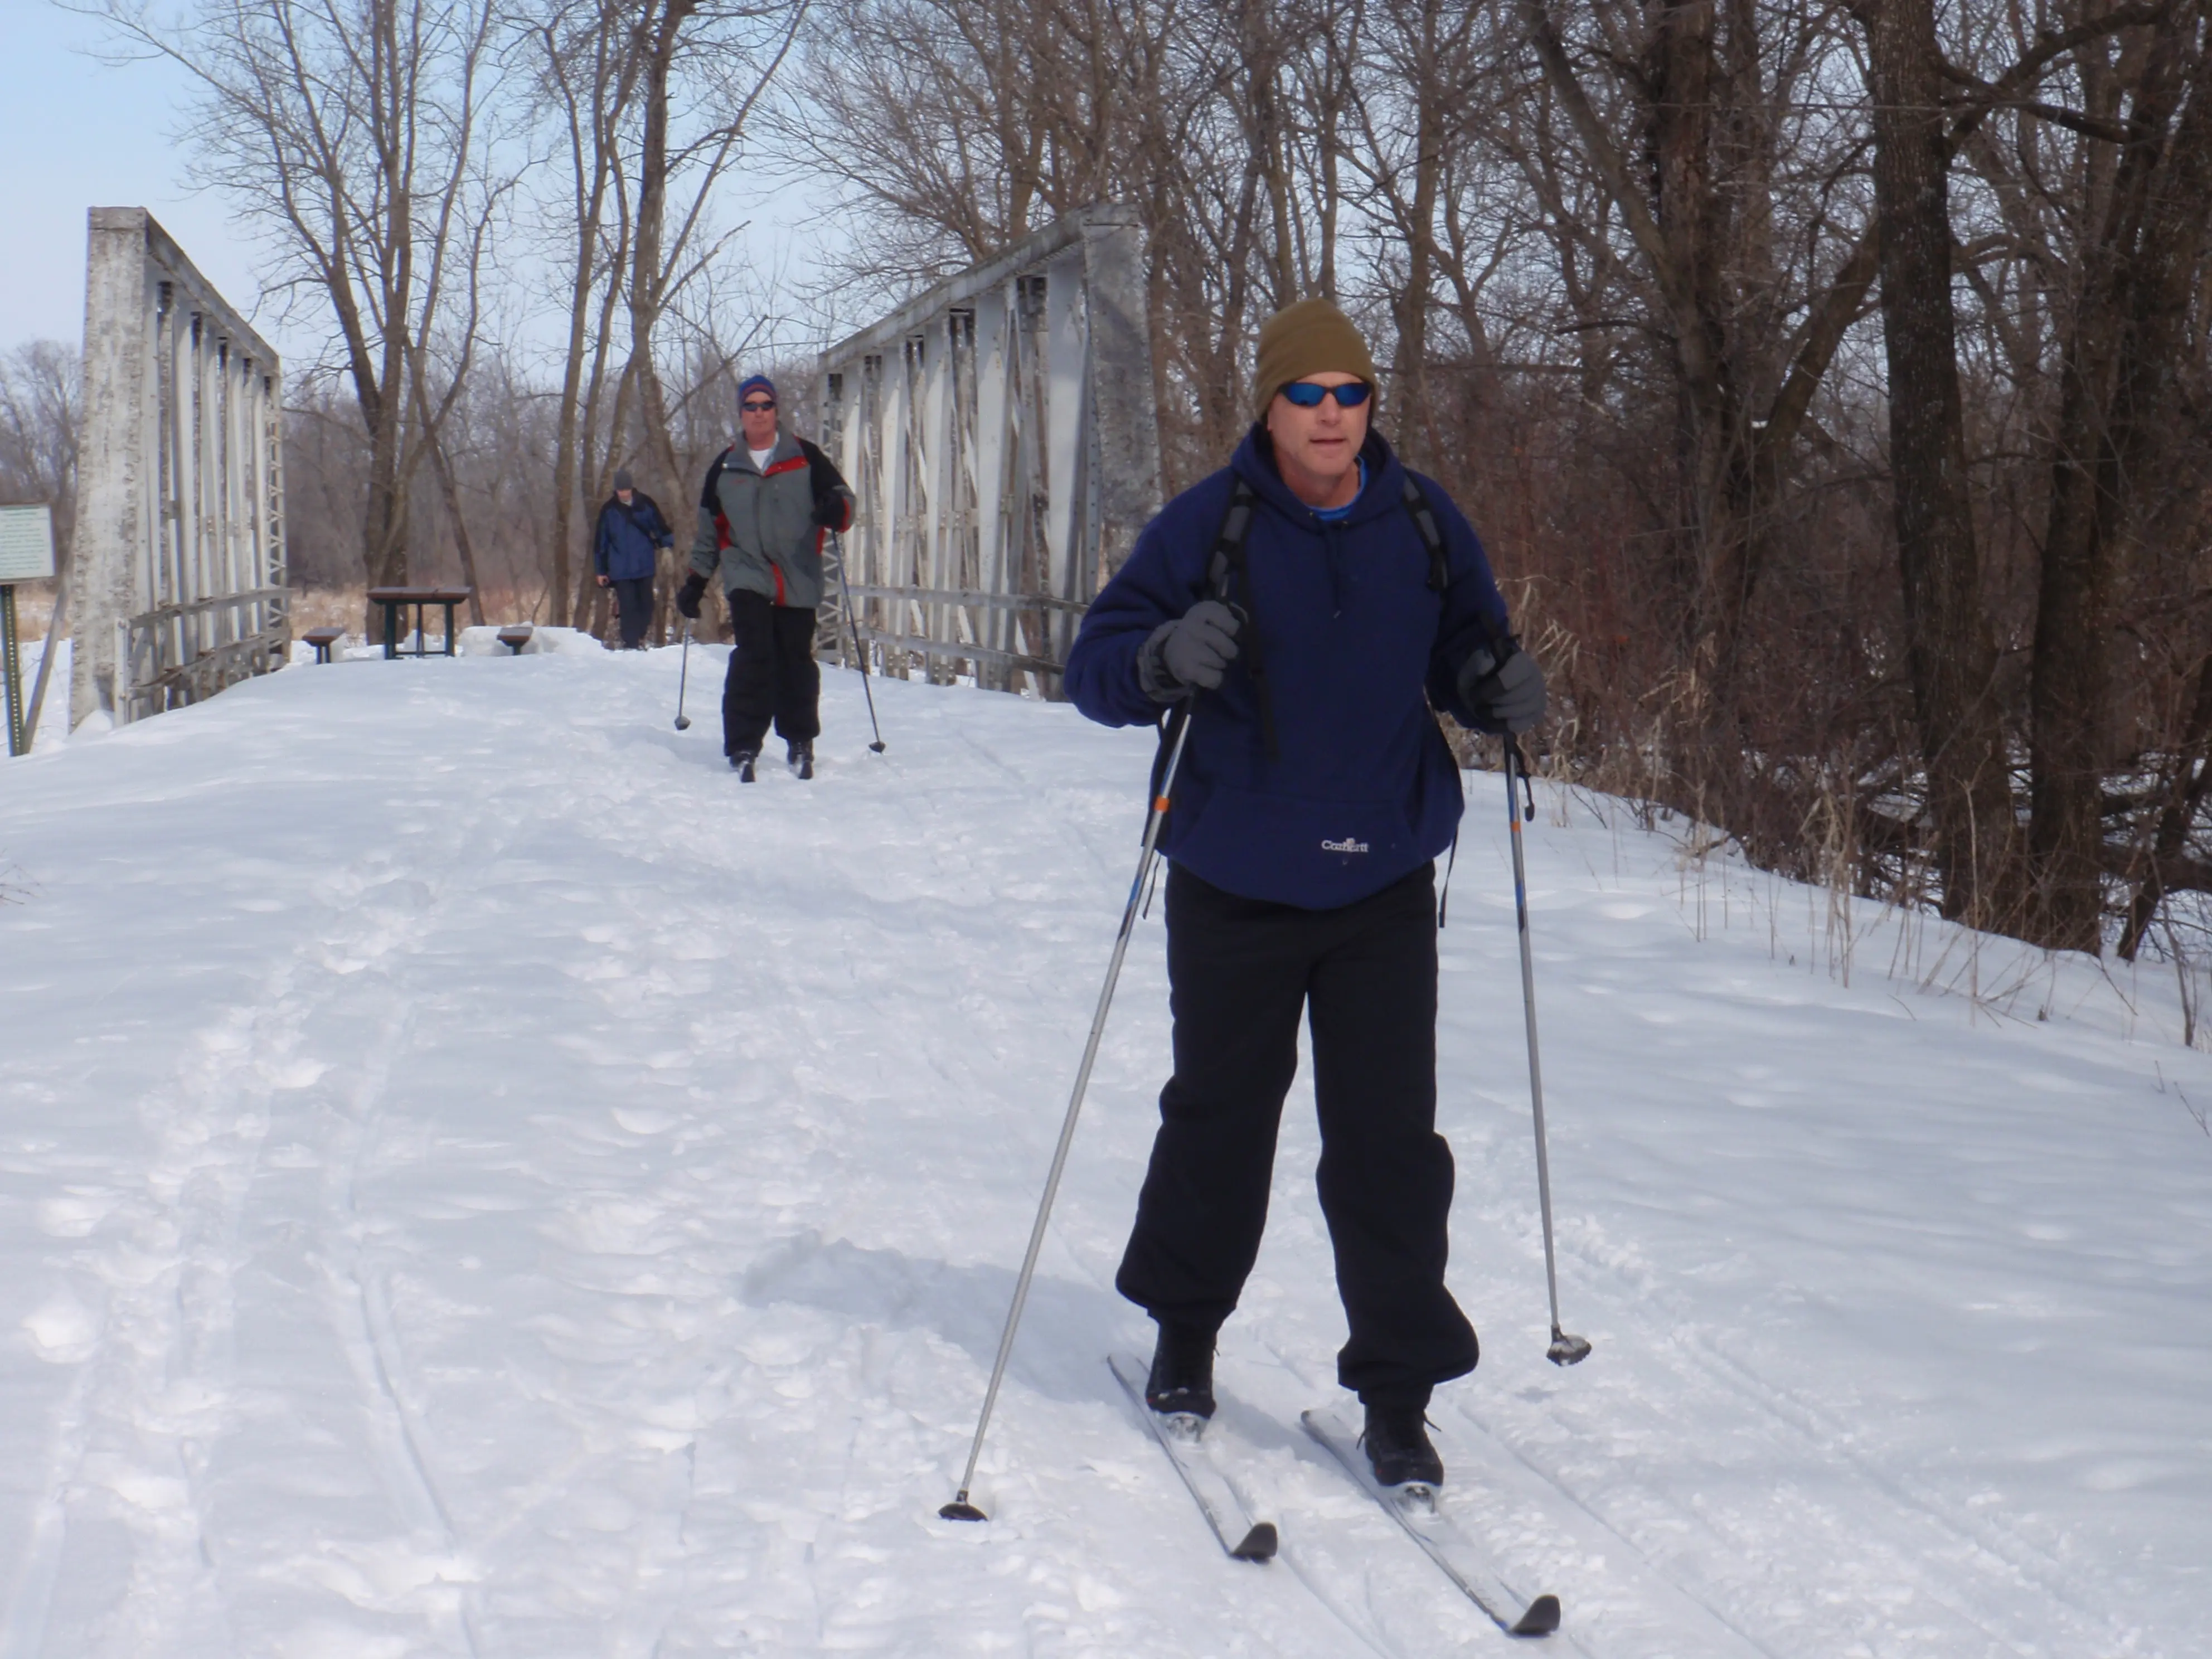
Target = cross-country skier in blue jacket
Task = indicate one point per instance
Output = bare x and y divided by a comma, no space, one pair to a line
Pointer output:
626,547
1314,793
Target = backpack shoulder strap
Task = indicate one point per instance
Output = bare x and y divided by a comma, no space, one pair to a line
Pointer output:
708,497
1232,585
822,471
1225,570
1432,535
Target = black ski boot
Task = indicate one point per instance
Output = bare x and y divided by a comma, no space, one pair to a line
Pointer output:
1182,1380
742,764
799,755
1397,1442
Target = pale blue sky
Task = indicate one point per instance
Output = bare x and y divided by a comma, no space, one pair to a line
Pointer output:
75,134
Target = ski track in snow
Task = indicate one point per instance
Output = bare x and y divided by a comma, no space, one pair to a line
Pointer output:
480,1181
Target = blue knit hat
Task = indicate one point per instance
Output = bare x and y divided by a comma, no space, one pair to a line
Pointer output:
755,383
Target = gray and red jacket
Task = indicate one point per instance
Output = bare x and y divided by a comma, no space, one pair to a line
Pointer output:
763,528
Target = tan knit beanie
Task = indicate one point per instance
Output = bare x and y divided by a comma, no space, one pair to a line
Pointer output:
1311,338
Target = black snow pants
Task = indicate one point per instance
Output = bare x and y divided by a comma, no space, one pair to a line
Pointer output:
1240,972
772,675
633,608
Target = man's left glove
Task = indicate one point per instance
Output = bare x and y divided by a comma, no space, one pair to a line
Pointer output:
687,597
830,511
1502,696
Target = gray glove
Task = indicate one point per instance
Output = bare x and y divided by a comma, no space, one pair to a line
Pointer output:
1192,651
1507,696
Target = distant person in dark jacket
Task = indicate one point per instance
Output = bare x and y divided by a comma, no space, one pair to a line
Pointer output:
1314,793
768,503
625,550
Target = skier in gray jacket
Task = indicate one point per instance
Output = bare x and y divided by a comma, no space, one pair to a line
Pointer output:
768,503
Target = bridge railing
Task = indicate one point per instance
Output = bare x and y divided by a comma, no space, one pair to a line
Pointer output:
178,572
1000,434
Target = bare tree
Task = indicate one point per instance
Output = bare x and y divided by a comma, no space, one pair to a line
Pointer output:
585,60
1695,85
735,53
356,135
2118,404
41,395
1949,639
1833,385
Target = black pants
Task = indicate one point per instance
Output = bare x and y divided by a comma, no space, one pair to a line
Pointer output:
633,606
1240,972
772,675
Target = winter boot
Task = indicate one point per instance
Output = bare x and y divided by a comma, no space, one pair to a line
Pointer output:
798,753
742,764
1397,1442
1181,1380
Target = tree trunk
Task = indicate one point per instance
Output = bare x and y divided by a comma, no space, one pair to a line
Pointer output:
2118,377
1414,418
451,493
647,275
2181,798
384,527
1951,652
1674,214
597,108
591,613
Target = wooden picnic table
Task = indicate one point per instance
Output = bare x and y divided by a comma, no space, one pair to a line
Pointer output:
397,599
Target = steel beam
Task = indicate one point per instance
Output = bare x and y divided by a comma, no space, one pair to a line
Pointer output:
1001,436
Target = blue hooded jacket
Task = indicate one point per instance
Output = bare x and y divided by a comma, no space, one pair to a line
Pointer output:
624,540
1356,646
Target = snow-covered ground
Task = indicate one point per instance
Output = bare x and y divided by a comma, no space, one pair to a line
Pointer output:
475,1179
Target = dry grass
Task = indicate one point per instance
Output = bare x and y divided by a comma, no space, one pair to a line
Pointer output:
311,607
328,607
34,607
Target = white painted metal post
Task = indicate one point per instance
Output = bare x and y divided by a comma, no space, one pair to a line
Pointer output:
993,368
1064,432
933,473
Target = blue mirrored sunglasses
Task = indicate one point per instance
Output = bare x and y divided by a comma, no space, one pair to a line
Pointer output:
1306,395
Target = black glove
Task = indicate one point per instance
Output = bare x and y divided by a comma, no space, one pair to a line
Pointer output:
1192,651
1507,696
687,597
829,511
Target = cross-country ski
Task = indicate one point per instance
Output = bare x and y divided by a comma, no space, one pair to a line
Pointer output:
1420,1510
1191,1450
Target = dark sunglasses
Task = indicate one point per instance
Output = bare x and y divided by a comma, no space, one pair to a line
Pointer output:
758,408
1306,395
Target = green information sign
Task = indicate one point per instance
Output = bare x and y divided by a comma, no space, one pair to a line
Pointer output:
26,554
27,543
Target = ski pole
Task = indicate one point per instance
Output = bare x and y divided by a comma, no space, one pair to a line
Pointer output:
682,677
1565,1350
1156,816
853,626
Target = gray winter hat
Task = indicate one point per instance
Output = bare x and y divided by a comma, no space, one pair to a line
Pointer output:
622,480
